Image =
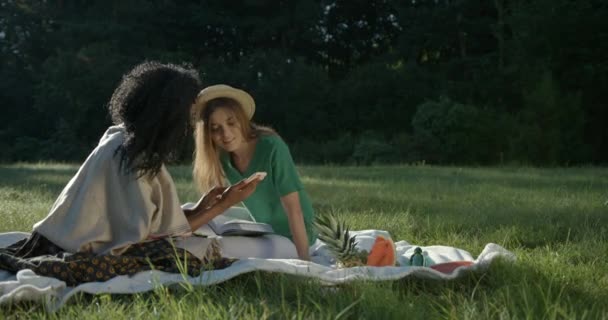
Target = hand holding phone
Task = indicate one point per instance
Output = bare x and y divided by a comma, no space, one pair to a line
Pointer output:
242,189
256,176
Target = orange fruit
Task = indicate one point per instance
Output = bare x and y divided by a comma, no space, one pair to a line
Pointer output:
382,253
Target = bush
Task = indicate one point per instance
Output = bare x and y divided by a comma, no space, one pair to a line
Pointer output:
551,125
372,148
333,151
450,132
26,149
377,97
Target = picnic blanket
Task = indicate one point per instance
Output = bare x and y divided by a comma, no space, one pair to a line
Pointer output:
53,293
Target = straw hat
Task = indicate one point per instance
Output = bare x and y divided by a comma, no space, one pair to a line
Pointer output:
225,91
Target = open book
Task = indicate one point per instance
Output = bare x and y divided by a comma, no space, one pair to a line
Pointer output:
236,221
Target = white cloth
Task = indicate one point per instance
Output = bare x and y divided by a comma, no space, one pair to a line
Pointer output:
271,246
53,293
102,210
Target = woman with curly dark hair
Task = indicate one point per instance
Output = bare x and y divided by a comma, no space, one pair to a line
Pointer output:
120,214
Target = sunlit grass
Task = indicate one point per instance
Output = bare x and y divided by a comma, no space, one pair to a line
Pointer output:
554,220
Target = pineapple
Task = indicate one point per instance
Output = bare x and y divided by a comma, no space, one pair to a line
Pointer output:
340,243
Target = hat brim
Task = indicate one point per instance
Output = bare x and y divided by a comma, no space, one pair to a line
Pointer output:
224,91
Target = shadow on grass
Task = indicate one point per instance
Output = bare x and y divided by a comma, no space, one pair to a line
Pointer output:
516,289
530,224
525,292
20,177
524,289
526,227
524,178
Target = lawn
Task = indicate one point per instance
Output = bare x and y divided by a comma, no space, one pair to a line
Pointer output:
555,221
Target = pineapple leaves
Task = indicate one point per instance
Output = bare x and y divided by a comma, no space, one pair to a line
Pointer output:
336,235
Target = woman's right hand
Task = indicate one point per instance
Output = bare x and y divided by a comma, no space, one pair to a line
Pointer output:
228,198
238,192
210,198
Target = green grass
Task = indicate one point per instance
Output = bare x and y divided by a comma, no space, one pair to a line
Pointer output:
554,220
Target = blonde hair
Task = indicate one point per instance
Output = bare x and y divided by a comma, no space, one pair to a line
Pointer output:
208,171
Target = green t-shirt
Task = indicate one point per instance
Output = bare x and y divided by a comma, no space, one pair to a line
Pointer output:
272,156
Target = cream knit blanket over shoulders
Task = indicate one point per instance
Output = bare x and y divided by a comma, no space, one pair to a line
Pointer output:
102,210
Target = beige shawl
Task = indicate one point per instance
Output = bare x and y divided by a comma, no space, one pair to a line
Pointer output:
102,210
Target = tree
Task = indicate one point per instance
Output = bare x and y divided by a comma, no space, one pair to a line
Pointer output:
353,32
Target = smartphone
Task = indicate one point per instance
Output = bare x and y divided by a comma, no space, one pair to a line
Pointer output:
256,176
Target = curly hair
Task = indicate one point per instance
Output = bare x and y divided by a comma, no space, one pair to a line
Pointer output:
153,101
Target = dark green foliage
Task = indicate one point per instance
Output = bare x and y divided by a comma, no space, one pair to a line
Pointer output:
377,96
449,132
551,124
331,151
359,82
372,148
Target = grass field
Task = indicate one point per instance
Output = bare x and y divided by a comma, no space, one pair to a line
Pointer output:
554,220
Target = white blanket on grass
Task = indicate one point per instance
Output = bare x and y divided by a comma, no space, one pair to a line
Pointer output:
53,293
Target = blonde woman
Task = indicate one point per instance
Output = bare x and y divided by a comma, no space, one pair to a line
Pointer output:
229,148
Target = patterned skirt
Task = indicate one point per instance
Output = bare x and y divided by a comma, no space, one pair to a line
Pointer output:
47,259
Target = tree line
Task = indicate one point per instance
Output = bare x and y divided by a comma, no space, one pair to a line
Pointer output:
345,81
